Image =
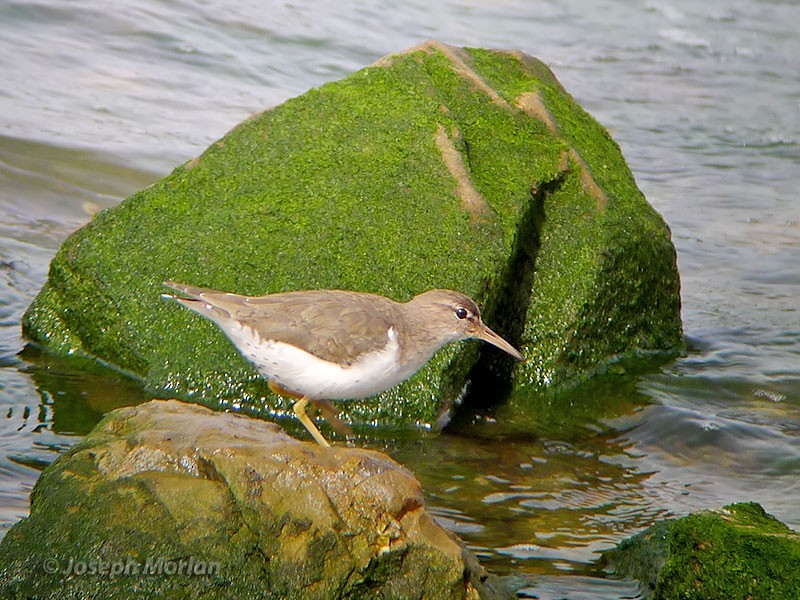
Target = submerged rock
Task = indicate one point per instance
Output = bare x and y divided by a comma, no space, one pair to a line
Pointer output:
739,551
440,167
169,499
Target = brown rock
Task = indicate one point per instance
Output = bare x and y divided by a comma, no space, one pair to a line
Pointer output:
276,517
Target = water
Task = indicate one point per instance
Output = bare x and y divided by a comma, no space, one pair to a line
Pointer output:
702,97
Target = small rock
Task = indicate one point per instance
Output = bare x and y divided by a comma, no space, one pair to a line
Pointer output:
739,551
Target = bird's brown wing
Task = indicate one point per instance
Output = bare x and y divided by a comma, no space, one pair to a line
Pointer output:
334,325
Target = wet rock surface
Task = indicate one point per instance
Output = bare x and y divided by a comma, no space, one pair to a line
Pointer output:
169,499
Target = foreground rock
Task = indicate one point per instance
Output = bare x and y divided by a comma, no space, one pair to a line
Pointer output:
737,552
170,500
439,167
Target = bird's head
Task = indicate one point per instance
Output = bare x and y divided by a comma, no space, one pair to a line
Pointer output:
454,316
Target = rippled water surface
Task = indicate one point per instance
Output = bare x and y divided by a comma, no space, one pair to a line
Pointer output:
96,103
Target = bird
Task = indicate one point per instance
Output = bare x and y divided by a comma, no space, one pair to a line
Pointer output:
322,345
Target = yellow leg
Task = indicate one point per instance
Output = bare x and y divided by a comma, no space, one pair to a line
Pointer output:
332,417
300,411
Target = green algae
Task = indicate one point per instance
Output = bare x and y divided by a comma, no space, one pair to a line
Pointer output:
605,265
346,187
739,551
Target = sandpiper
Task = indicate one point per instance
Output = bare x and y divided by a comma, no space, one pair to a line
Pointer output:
322,345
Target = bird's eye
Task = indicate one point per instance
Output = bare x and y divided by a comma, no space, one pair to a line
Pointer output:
461,312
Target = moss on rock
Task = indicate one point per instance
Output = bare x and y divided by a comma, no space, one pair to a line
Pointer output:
739,551
172,500
439,167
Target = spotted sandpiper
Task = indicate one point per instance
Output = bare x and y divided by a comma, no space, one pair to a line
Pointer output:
321,345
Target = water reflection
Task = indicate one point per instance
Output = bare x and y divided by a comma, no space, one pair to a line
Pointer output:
578,588
540,492
48,404
711,441
75,395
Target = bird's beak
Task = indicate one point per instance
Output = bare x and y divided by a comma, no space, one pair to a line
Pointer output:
487,335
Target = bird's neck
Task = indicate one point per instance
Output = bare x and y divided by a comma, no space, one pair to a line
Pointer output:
423,335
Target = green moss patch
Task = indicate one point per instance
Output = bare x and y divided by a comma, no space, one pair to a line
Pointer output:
739,551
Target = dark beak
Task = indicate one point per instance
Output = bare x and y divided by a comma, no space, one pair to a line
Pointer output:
487,335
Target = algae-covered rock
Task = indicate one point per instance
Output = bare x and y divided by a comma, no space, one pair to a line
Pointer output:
440,167
172,500
739,551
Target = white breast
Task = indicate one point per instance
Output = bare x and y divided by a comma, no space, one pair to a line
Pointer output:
303,373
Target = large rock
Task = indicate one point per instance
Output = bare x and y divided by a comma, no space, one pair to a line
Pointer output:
739,551
439,167
171,500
